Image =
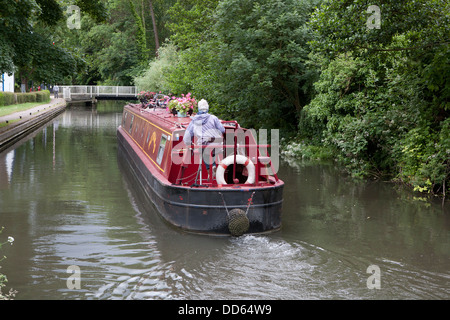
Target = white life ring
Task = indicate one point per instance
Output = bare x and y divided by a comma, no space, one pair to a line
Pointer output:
220,173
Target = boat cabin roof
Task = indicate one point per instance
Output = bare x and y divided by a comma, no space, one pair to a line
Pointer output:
168,122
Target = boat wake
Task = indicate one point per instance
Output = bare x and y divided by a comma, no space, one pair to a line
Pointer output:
266,267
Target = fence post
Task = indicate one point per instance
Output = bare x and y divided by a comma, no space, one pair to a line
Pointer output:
67,94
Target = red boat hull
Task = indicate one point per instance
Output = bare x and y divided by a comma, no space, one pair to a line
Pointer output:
151,142
203,209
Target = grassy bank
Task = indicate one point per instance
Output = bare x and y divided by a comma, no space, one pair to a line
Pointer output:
4,124
6,110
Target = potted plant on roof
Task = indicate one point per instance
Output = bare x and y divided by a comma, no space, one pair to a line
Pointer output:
183,106
144,97
172,106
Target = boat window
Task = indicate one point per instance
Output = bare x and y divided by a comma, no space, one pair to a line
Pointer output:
131,123
148,137
124,119
162,146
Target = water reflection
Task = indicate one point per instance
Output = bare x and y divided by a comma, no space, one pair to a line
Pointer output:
371,216
68,198
6,168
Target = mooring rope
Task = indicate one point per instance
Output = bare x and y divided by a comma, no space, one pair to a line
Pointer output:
224,204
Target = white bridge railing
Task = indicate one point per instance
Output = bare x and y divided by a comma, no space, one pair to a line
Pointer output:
84,92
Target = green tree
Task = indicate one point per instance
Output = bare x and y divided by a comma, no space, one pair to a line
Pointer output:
155,28
26,45
184,64
158,12
42,61
424,27
14,21
155,77
111,50
341,25
191,22
381,100
264,52
140,37
120,49
246,57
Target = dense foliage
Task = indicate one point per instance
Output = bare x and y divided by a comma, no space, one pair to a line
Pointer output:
26,44
113,43
247,58
382,99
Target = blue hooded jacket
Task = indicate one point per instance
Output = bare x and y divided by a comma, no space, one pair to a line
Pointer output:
203,126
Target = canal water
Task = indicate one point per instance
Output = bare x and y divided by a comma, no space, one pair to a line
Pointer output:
84,230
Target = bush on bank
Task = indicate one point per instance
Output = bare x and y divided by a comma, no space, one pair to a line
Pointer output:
376,118
9,98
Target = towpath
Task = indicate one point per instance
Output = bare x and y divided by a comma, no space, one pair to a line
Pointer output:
21,123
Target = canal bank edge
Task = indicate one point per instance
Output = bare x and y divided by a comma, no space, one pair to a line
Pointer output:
29,120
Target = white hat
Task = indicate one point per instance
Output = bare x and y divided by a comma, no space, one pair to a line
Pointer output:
203,105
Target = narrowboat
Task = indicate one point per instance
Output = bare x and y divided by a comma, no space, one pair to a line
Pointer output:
244,196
